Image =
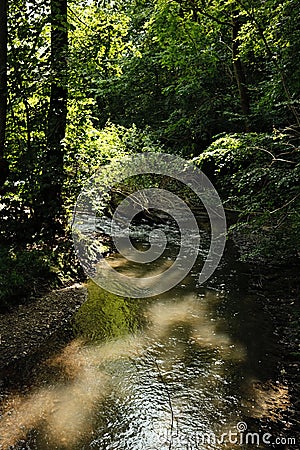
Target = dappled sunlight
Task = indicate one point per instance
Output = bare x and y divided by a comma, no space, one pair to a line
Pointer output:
67,409
267,400
71,417
130,269
22,413
204,331
151,370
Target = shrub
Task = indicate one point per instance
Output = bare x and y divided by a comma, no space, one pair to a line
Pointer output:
258,177
21,275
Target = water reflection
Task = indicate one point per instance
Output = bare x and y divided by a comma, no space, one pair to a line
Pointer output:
146,375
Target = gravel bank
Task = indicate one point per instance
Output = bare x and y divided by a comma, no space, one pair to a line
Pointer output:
28,327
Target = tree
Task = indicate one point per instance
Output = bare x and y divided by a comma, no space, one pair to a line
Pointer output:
3,89
239,70
53,172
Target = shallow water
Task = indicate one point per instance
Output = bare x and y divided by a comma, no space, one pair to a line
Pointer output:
172,372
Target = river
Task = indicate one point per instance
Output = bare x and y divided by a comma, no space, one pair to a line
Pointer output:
188,369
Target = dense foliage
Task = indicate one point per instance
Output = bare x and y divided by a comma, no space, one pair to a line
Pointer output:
90,81
258,176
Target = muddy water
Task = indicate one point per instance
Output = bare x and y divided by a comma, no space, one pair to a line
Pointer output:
177,371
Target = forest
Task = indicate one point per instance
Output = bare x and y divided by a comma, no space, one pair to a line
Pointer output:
81,83
215,82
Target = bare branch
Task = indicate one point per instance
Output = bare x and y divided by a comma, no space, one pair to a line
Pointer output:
286,204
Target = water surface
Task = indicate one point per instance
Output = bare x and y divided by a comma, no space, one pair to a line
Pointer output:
173,371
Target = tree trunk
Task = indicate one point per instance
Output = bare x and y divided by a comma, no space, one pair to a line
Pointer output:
53,172
239,72
3,89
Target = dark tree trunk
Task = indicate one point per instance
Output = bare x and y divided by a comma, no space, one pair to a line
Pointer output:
53,171
3,88
239,72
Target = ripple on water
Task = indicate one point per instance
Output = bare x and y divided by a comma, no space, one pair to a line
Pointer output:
172,371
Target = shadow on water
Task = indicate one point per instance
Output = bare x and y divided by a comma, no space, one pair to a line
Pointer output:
174,371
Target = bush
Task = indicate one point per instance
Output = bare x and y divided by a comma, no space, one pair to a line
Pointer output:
21,275
258,177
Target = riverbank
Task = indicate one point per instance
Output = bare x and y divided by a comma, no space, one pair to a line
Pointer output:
28,327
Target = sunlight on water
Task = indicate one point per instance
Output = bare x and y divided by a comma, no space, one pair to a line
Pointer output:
66,410
145,375
23,414
195,313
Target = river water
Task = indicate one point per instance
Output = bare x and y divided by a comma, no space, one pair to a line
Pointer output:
182,370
